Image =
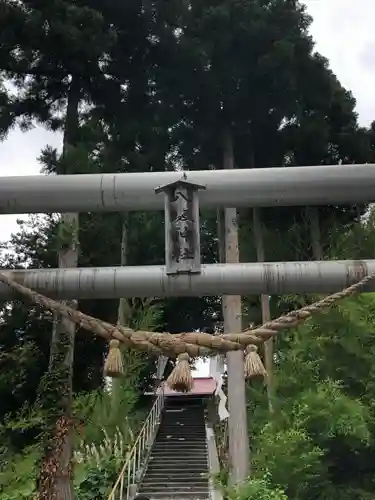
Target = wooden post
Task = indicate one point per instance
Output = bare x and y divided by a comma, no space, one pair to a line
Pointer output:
122,311
239,453
315,233
265,305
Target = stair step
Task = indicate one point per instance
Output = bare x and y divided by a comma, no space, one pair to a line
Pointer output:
199,429
154,466
172,468
183,425
197,494
187,425
194,422
183,413
178,459
180,440
188,452
181,496
173,483
178,452
171,463
178,488
176,475
177,439
182,410
162,466
202,452
179,433
182,430
199,484
180,445
168,492
185,454
183,416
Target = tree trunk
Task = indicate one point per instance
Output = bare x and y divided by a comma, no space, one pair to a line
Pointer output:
265,304
315,233
239,453
122,317
220,224
55,480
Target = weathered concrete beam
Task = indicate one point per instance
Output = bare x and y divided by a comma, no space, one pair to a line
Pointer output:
260,187
215,279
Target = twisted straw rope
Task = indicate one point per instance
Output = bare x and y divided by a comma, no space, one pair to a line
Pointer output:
193,343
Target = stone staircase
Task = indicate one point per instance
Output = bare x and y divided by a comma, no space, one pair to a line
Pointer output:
178,466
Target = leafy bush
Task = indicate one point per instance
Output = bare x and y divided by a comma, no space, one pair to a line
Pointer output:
17,477
327,413
98,479
256,489
291,458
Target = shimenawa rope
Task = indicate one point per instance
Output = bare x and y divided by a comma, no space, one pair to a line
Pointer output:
192,343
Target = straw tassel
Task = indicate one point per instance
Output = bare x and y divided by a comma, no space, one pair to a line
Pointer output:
253,364
113,366
181,379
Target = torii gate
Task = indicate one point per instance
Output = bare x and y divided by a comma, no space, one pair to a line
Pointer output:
183,274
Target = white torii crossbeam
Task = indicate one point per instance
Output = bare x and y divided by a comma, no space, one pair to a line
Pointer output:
214,279
259,187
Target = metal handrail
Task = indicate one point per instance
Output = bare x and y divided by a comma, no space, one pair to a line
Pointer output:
131,472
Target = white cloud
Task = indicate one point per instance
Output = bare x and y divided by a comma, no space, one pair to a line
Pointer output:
18,156
343,32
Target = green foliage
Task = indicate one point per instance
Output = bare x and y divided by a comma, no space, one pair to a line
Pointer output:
291,457
106,433
98,479
318,442
17,474
326,413
257,489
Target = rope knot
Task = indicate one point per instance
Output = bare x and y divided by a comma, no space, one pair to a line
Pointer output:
253,364
181,379
113,366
